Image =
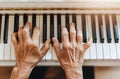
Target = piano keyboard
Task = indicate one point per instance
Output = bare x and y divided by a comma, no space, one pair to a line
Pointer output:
102,25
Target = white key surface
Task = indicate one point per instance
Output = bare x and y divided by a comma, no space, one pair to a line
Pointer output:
87,55
99,51
49,53
1,42
7,46
12,48
55,35
106,51
93,51
113,51
118,50
1,51
63,20
21,20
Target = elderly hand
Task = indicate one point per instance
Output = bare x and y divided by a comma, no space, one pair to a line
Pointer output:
27,51
71,55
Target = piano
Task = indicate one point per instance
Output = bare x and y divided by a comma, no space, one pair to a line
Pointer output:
100,20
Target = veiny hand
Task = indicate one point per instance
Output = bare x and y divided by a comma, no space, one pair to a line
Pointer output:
26,46
71,55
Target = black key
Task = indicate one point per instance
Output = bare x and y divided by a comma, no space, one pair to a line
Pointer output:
108,29
33,20
0,25
84,28
59,27
6,28
16,22
101,30
115,28
51,26
44,27
94,33
74,20
67,21
25,18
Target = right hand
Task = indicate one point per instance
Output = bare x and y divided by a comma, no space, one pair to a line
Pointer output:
72,53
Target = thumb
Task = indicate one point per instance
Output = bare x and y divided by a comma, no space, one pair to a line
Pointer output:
87,45
56,45
45,47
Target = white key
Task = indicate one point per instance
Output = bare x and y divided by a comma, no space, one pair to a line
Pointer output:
30,18
106,49
87,54
113,51
21,20
49,54
79,22
1,51
93,51
99,51
12,57
70,18
38,25
2,28
7,46
41,32
55,35
118,44
118,50
93,46
63,20
1,42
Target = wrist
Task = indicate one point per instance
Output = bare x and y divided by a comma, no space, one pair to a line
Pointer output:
21,72
74,73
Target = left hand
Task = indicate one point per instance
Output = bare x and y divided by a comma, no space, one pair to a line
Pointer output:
26,46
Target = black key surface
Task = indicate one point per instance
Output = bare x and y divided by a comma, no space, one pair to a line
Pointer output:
59,27
16,23
74,20
51,26
94,32
25,18
108,29
101,29
84,28
115,28
67,21
44,27
0,25
33,20
6,28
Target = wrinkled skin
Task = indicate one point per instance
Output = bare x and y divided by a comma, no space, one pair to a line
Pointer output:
71,55
27,51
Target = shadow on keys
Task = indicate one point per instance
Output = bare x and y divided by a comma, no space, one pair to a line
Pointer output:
56,72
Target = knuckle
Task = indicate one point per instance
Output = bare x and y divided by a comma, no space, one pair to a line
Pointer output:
72,32
66,46
25,31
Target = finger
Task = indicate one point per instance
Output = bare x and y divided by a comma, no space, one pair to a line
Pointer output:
87,45
56,46
35,36
65,36
14,39
45,47
79,37
26,32
72,33
20,35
